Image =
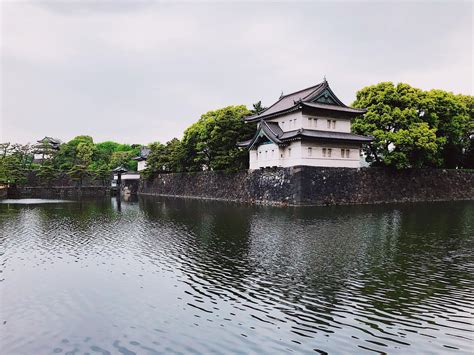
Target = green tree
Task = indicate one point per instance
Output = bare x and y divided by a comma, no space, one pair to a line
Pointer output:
104,173
84,153
411,127
123,158
84,150
15,162
24,153
468,153
12,171
78,172
66,158
257,108
47,172
211,142
4,149
449,114
164,158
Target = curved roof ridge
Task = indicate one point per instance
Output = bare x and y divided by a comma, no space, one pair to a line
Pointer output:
308,88
283,97
291,102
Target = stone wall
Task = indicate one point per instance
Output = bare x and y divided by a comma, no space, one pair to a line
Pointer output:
62,186
317,186
57,191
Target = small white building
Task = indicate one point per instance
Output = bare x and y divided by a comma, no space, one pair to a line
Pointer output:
141,158
125,177
310,127
45,149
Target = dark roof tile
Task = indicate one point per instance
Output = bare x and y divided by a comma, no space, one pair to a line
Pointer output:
293,101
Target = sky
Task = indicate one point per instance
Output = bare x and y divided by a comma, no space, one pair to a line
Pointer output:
139,72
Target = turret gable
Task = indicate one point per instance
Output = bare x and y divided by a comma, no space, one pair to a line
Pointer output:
318,96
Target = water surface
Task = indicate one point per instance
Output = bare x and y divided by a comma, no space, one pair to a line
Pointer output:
31,201
184,276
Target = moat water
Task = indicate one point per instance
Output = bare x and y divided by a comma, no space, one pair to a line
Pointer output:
184,276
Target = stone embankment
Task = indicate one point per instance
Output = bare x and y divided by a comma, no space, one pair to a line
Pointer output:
62,186
316,186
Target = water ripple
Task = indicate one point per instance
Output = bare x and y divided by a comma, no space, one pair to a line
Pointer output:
177,276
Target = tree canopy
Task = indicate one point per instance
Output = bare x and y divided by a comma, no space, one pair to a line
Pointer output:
208,144
414,128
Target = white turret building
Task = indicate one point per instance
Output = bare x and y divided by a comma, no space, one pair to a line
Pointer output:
142,157
310,127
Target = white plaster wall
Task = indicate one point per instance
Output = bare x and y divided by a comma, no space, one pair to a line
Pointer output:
268,155
342,125
40,156
128,176
141,165
300,155
336,160
284,121
296,120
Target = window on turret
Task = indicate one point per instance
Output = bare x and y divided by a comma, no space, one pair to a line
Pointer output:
310,151
343,152
324,152
289,152
331,124
329,152
348,152
312,122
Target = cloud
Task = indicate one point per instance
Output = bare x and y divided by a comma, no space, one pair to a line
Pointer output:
140,72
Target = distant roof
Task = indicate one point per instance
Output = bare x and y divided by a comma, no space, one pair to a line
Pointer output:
50,140
53,142
318,96
274,133
144,153
119,169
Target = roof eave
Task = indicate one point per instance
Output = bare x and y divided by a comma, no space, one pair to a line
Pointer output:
273,115
344,109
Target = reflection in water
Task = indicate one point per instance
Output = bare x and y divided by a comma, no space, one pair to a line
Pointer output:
164,275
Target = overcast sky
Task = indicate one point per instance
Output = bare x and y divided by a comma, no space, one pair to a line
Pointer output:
141,72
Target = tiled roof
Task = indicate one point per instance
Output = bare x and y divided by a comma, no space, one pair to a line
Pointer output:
326,135
273,132
270,129
119,169
144,153
50,140
293,102
333,107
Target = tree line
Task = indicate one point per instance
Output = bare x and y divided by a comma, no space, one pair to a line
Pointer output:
412,128
78,158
